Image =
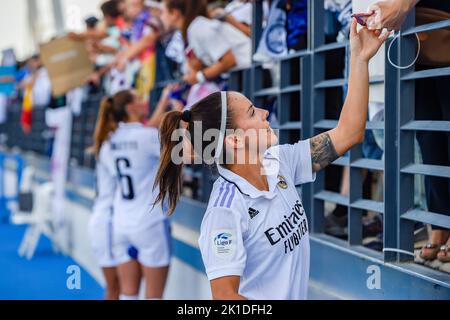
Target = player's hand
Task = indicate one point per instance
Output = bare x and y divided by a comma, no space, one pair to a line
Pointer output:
120,62
190,78
365,43
167,90
388,14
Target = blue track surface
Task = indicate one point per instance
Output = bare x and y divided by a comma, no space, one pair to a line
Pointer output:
42,278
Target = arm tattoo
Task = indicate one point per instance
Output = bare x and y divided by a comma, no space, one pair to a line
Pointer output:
323,152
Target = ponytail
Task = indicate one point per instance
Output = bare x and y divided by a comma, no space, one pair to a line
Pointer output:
104,126
169,176
210,112
112,111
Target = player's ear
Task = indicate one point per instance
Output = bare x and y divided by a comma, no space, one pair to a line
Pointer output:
234,142
234,145
129,108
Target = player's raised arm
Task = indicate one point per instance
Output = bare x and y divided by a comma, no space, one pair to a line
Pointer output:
328,146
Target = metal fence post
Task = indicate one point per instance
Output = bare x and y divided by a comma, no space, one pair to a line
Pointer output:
391,143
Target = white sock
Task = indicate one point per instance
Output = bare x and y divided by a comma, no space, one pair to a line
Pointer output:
125,297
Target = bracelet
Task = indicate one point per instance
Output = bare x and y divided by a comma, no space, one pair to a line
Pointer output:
200,77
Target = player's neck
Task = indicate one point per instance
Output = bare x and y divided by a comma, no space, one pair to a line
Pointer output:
133,119
253,173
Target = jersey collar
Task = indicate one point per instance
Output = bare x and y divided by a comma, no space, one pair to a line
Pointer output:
130,125
247,188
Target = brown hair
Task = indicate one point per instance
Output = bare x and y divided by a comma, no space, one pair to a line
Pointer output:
112,111
169,177
110,8
190,9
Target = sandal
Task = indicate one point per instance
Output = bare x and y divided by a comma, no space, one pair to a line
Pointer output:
444,253
430,253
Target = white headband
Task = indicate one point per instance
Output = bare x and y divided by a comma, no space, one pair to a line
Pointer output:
223,125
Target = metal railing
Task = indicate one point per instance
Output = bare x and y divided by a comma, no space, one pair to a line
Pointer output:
302,98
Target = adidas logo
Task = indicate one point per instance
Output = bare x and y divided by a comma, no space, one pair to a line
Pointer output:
253,213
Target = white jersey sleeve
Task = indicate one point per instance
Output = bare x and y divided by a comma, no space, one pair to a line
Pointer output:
208,43
106,185
222,243
296,159
241,11
154,145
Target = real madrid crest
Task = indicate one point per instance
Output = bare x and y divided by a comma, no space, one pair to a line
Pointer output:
282,182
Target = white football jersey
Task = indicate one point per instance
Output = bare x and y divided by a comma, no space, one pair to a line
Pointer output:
100,224
132,157
261,236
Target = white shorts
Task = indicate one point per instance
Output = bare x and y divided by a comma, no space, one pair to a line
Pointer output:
101,236
153,245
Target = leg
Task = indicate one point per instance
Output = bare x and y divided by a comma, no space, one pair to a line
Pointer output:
444,100
155,282
129,280
434,148
128,270
443,86
439,236
154,246
112,283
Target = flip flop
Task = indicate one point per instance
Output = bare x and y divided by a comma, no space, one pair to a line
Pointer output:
432,254
443,254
